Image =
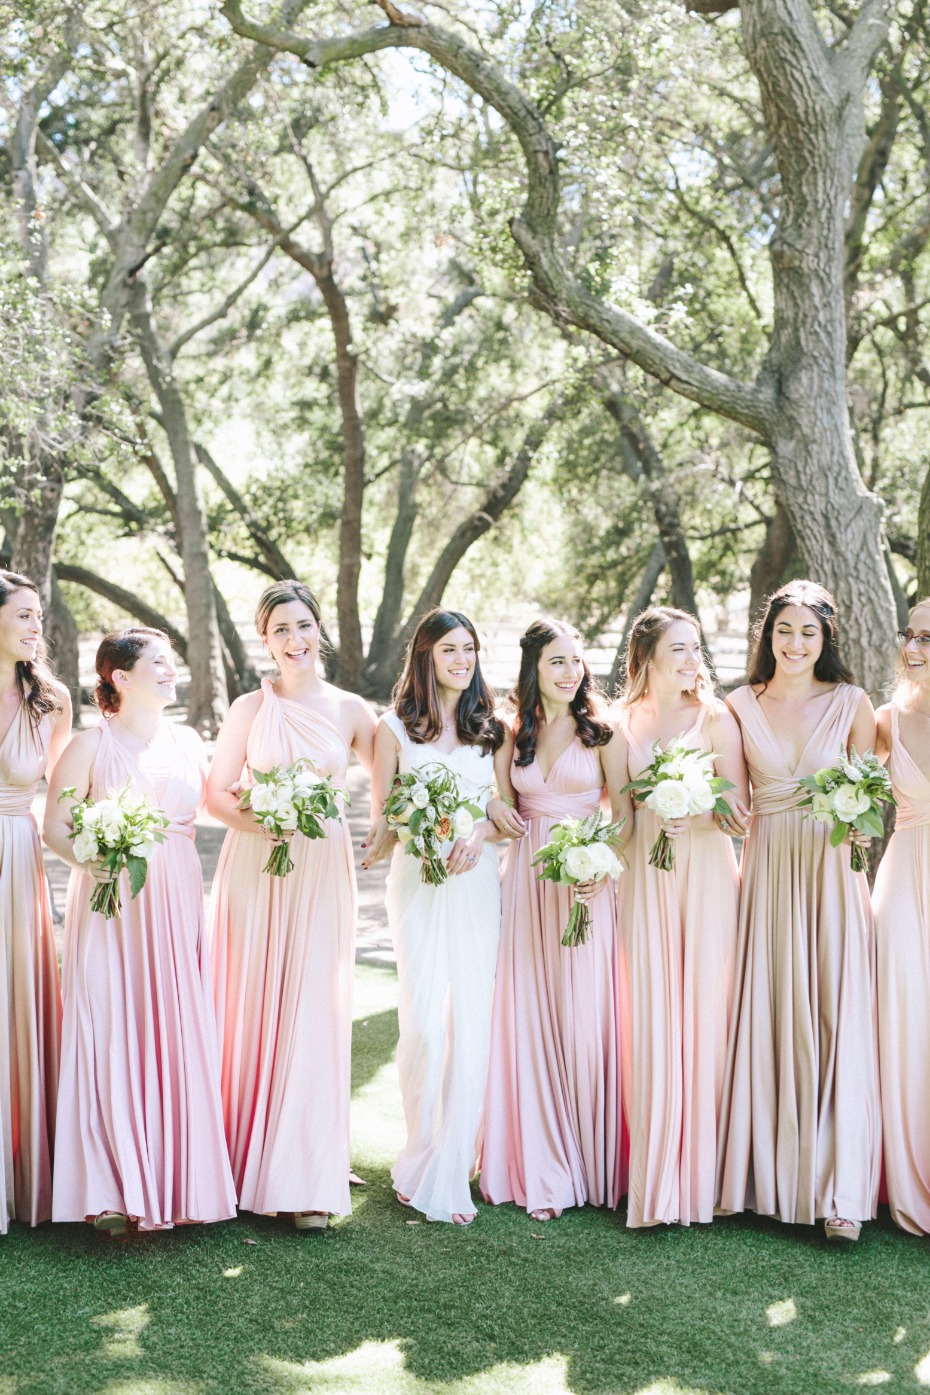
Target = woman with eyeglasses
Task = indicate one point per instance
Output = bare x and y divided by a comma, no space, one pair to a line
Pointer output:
901,903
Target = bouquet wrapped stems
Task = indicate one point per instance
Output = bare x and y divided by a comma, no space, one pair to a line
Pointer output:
679,784
849,795
291,799
579,851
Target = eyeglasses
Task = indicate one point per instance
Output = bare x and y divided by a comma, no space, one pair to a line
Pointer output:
905,637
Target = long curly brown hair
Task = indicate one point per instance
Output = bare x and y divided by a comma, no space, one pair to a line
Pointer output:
416,694
585,706
829,667
34,677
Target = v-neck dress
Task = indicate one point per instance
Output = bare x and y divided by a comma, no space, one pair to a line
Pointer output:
283,953
800,1135
139,1126
445,938
30,997
553,1116
901,902
677,951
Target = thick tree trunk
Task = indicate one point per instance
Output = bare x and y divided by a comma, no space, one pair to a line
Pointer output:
654,568
207,702
772,560
386,649
923,540
62,635
41,488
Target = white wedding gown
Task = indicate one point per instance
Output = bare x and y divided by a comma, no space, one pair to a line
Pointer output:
445,938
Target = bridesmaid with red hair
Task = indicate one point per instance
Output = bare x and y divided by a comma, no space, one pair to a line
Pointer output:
35,723
901,902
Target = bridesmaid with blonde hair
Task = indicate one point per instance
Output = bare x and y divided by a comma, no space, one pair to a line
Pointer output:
35,723
901,903
139,1129
800,1136
553,1115
284,947
677,931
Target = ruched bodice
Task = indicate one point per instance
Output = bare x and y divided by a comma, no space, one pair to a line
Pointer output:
572,789
911,784
170,776
775,787
23,758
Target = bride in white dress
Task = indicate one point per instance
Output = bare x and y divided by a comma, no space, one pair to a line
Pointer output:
445,937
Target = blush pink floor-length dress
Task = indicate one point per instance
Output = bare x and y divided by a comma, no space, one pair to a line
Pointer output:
678,945
283,954
800,1134
554,1133
30,998
139,1128
901,902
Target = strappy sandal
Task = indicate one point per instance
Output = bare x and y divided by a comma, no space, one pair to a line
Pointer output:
112,1223
837,1228
311,1220
543,1213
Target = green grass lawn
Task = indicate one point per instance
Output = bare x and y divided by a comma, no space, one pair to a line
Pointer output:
382,1303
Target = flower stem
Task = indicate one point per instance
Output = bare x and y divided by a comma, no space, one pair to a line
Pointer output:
105,900
857,858
579,924
279,863
663,853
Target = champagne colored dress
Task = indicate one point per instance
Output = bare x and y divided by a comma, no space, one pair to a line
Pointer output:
445,938
140,1129
553,1116
283,954
800,1135
30,998
902,924
678,944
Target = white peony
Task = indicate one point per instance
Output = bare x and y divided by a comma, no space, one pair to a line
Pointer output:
85,846
305,782
285,815
602,859
420,796
701,796
463,823
404,835
262,799
144,848
579,864
849,803
670,800
821,809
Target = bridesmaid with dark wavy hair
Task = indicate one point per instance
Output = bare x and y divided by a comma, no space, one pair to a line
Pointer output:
800,1132
554,1133
445,937
35,722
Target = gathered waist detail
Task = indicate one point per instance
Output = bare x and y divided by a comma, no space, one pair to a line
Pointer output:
16,803
560,806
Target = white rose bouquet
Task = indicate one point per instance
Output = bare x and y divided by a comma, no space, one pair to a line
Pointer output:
848,795
122,831
579,851
291,799
428,812
679,784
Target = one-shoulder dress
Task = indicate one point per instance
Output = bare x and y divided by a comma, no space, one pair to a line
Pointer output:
140,1129
800,1133
553,1133
678,945
283,957
901,902
30,997
445,938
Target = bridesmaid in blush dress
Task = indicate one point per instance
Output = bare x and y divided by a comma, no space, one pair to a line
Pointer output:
139,1129
677,932
901,903
800,1135
284,947
445,937
553,1114
35,722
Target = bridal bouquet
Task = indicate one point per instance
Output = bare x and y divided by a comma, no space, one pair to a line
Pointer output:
679,784
428,812
122,831
579,851
291,799
848,795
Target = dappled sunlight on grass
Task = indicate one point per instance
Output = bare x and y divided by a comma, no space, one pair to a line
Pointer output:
922,1370
380,1366
781,1313
873,1378
126,1327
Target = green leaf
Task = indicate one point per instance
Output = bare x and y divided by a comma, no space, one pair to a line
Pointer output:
838,834
137,867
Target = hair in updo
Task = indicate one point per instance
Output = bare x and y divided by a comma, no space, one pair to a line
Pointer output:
829,667
120,649
282,593
648,628
585,706
33,676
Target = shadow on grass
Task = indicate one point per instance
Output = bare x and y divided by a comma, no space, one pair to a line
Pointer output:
374,1039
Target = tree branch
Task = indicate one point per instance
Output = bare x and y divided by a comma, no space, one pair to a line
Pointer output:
126,600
